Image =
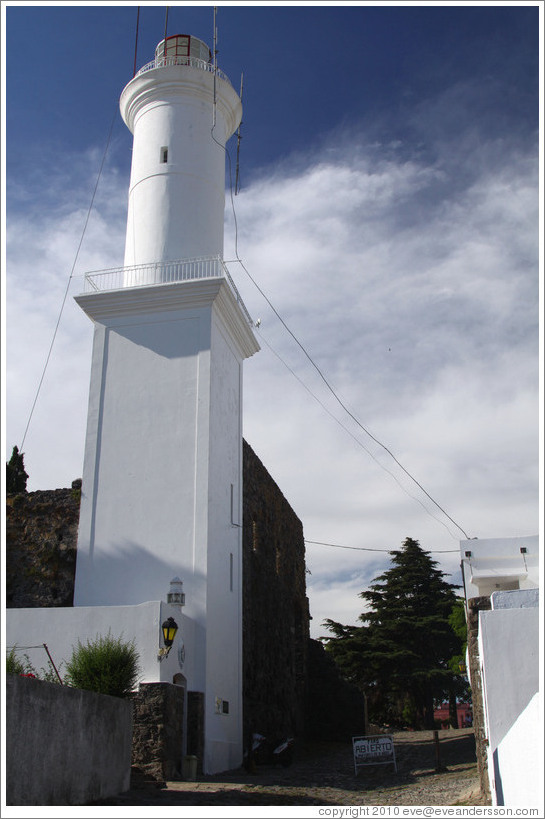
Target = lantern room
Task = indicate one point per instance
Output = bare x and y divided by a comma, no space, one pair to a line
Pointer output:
178,48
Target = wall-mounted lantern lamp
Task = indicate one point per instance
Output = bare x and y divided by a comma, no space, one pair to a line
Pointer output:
169,628
462,667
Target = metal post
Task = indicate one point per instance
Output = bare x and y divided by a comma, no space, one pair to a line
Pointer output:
52,663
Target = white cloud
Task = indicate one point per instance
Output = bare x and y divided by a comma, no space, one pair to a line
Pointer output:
414,292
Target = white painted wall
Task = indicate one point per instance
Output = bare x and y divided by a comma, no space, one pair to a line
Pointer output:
150,491
497,563
509,655
224,559
148,398
61,628
519,758
176,209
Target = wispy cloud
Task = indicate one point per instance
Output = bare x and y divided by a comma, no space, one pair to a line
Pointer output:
408,272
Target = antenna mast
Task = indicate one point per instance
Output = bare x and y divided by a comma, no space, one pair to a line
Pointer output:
166,27
239,137
136,40
215,63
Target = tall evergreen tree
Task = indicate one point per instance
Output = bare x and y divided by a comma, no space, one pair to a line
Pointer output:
16,477
400,655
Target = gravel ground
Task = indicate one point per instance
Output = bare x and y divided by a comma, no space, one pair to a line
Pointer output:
323,774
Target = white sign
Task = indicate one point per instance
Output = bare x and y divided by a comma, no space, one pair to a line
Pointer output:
373,750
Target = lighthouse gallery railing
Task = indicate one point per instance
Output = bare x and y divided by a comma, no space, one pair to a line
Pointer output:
142,275
193,62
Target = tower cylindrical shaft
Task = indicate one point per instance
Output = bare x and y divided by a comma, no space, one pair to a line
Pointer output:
181,113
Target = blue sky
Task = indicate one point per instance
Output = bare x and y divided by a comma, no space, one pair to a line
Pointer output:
389,210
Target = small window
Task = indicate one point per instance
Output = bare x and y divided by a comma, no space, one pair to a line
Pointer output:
164,155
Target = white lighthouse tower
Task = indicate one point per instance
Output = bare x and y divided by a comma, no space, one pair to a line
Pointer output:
162,477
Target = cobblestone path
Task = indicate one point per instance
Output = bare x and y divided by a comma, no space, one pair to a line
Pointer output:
323,774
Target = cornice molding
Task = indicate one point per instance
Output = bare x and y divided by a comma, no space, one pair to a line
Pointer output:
106,306
179,81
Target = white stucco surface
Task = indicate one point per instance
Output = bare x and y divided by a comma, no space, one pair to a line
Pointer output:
162,477
497,563
509,654
163,445
519,760
61,629
515,599
176,208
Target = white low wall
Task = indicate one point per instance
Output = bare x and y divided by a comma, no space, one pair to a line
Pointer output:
509,651
61,628
509,655
519,760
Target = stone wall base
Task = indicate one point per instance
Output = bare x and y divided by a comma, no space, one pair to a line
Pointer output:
157,748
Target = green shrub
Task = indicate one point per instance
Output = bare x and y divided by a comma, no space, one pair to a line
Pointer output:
107,665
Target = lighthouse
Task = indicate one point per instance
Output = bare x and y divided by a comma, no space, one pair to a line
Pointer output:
162,476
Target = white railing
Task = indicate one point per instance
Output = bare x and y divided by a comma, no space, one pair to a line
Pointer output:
193,62
180,270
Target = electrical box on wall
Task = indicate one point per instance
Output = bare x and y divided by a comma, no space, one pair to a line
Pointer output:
222,706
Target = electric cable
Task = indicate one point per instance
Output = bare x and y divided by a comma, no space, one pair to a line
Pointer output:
23,648
341,402
384,551
357,440
300,345
313,363
69,281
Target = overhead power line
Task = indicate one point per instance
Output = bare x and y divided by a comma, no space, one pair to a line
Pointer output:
317,368
384,551
354,438
69,280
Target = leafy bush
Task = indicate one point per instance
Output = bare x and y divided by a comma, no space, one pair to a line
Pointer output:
107,665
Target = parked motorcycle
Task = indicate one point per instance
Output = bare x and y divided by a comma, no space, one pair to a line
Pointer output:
269,752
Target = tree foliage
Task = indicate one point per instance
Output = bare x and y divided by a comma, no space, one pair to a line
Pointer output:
16,477
401,654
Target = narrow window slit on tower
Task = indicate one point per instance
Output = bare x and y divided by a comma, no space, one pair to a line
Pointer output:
164,154
231,572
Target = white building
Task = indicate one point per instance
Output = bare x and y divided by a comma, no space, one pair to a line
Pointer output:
507,571
162,475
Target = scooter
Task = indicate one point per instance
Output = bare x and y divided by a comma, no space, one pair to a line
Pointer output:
269,752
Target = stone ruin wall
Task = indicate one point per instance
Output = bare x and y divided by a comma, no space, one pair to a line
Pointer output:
41,540
275,607
475,605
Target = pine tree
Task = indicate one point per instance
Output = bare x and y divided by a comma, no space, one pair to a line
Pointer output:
16,477
400,655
